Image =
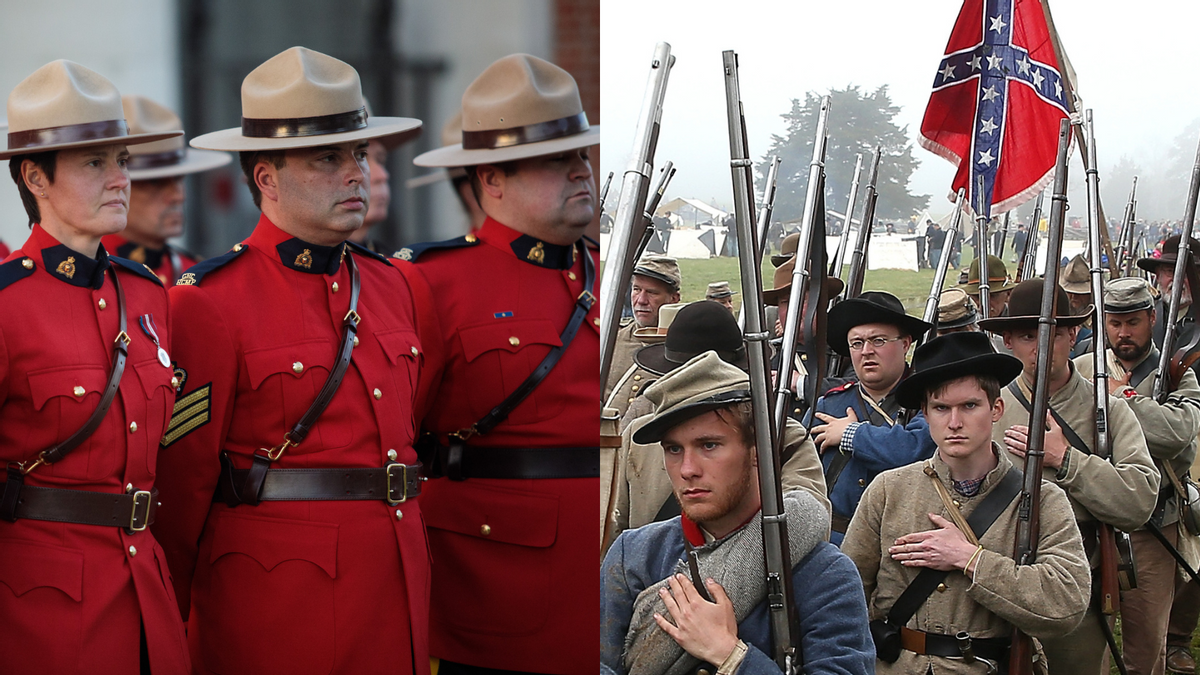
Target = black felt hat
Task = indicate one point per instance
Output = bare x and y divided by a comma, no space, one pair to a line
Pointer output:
870,307
699,327
1170,253
950,357
1025,308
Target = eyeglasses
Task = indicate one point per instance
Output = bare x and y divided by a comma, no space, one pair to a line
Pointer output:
877,342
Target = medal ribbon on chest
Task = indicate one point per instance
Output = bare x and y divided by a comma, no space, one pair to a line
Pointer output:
146,321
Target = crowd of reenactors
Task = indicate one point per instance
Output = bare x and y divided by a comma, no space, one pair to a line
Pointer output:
306,456
902,483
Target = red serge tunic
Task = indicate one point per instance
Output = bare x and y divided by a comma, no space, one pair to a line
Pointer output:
72,596
158,260
293,586
513,595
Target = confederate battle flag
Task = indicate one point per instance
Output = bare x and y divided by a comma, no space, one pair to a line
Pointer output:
997,99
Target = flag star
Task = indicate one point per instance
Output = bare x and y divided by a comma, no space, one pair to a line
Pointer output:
974,62
998,23
990,93
1057,89
1023,66
947,72
989,125
986,158
1038,78
994,62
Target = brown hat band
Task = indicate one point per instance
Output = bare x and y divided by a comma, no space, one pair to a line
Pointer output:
156,159
531,133
294,127
71,133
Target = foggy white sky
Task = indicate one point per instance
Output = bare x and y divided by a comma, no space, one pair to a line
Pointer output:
1132,61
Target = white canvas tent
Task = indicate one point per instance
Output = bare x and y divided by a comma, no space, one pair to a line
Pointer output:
691,212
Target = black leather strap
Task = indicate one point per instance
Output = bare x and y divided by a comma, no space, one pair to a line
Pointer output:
938,644
1069,433
836,466
133,512
394,483
583,304
460,461
980,520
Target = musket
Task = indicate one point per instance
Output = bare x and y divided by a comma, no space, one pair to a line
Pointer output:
982,208
604,192
1128,225
1003,235
785,636
764,224
858,258
839,256
1028,259
939,274
1172,362
630,223
664,179
1029,510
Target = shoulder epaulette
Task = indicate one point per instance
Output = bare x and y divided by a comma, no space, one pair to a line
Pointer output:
135,267
841,387
591,243
363,250
13,271
411,253
196,272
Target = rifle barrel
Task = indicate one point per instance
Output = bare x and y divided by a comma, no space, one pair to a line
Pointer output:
982,210
1162,384
839,256
764,224
858,258
939,274
1099,353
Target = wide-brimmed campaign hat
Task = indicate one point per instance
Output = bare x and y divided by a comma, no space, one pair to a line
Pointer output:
451,135
998,279
950,357
1076,277
698,327
870,307
702,384
302,99
956,309
1170,253
787,249
1025,308
520,107
169,157
63,105
782,284
656,334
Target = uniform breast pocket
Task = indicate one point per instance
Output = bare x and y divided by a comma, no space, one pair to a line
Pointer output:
63,399
502,354
154,409
287,380
40,586
275,575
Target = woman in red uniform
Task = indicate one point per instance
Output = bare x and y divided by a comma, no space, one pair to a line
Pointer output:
85,392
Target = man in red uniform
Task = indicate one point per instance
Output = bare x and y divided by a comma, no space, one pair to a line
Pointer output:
310,557
157,194
510,519
82,581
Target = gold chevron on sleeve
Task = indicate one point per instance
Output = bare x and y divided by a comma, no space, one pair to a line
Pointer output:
191,412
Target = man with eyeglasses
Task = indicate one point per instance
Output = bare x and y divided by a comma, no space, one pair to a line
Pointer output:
859,428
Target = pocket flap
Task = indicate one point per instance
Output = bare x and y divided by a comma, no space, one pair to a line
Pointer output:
512,516
398,343
508,334
271,541
26,566
152,376
62,380
263,363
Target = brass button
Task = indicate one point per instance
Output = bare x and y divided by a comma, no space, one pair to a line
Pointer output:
102,304
335,287
514,341
633,388
132,427
862,482
174,382
797,411
355,340
377,394
571,276
132,551
596,321
297,367
399,514
941,588
637,377
957,504
128,488
237,247
631,399
704,671
79,391
392,455
27,264
471,239
485,530
415,351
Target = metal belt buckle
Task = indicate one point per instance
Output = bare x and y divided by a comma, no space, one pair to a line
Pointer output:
587,299
403,484
133,519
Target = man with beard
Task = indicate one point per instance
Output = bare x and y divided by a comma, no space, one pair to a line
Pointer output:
1119,490
1170,429
1163,269
655,616
156,198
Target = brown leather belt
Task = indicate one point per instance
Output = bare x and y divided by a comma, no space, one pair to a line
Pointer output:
839,523
459,462
133,511
394,484
936,644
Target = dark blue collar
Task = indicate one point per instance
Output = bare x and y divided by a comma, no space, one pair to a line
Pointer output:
311,258
75,268
543,254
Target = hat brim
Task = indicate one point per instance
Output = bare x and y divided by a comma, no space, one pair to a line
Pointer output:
654,359
1152,264
966,320
131,139
833,287
195,161
778,259
910,393
1077,288
1003,323
232,140
659,425
456,155
855,312
973,289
